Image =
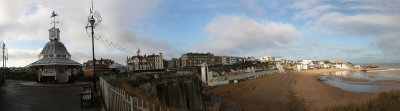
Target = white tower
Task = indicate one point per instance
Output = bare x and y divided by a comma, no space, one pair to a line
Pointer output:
54,33
204,72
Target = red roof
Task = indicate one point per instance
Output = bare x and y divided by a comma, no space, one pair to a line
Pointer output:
106,61
140,57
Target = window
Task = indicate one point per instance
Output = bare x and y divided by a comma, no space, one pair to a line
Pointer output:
64,56
51,55
45,56
58,55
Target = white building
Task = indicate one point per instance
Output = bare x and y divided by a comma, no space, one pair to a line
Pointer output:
155,61
54,64
135,63
307,62
278,60
267,59
302,67
233,60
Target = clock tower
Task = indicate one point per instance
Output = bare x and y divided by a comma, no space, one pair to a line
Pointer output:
55,64
54,33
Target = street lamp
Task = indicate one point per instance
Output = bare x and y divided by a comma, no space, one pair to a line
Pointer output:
92,21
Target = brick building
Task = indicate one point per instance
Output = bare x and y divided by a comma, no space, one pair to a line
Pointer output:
102,65
196,59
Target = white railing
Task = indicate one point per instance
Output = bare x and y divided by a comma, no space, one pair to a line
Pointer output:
116,99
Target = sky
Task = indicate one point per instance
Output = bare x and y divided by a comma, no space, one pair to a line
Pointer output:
358,31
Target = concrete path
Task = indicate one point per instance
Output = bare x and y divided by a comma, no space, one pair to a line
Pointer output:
17,97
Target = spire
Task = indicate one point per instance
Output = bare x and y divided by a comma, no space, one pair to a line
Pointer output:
138,52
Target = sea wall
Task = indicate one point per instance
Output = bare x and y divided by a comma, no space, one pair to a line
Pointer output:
183,92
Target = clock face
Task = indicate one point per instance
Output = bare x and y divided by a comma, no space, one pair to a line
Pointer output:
52,34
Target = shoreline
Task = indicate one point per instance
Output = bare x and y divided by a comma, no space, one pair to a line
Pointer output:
319,95
299,89
349,79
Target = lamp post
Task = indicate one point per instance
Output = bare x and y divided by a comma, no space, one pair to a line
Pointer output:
92,21
4,68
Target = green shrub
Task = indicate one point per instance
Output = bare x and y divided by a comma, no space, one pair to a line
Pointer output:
25,76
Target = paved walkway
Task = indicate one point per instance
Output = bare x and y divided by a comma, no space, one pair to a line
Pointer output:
55,85
17,97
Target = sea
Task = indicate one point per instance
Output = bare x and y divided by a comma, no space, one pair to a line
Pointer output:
370,81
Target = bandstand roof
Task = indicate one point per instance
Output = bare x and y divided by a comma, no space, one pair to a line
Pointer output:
54,61
54,47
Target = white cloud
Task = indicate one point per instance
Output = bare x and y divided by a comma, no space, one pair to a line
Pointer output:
239,35
303,4
375,20
253,6
313,12
19,57
359,24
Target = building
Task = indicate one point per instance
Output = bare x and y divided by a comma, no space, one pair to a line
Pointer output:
115,67
174,63
54,64
225,60
17,69
250,59
216,60
278,60
155,62
307,62
267,59
102,66
136,63
195,59
150,62
233,60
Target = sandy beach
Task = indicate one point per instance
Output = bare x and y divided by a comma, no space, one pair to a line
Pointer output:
299,90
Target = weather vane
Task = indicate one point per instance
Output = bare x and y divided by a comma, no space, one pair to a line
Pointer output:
53,15
94,15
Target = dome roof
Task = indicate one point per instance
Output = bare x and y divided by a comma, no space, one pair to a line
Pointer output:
54,61
54,47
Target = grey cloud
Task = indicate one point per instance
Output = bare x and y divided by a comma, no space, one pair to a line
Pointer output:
389,43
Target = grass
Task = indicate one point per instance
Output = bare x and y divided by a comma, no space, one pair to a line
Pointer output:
384,101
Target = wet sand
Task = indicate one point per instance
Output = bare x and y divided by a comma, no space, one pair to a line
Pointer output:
299,90
352,79
388,81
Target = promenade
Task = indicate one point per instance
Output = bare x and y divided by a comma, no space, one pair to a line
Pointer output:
17,97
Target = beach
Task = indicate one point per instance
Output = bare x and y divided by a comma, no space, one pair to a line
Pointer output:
298,90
